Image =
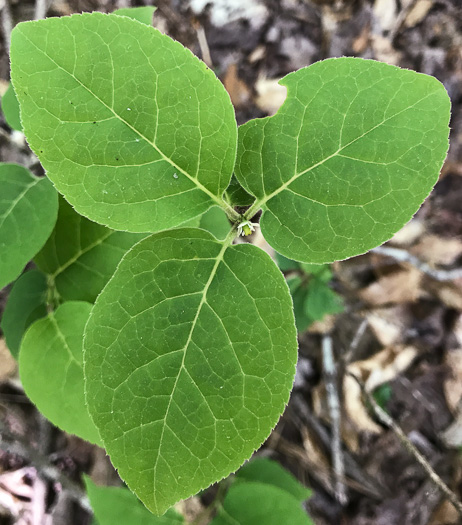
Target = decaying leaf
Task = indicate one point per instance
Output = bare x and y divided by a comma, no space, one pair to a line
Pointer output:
402,286
373,372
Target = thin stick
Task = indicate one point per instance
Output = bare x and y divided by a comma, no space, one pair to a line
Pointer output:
7,23
41,8
123,3
350,354
387,420
330,378
204,46
404,256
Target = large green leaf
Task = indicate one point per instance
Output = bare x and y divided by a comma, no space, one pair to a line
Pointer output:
10,108
50,367
190,354
114,506
26,303
264,470
142,14
348,158
255,503
134,130
28,209
215,222
80,256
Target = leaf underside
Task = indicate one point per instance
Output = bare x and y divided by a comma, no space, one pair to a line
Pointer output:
26,303
51,369
115,505
348,158
10,108
190,354
254,503
28,210
135,131
80,256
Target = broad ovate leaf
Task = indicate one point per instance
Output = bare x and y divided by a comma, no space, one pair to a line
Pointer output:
115,505
254,503
215,222
50,367
265,470
28,210
10,108
80,256
142,14
134,130
190,354
347,160
26,303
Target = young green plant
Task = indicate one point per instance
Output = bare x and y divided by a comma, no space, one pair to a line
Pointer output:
189,351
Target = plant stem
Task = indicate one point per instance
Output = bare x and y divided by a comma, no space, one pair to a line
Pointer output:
387,420
252,210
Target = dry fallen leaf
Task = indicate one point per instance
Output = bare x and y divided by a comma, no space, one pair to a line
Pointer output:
453,384
270,95
418,12
445,514
390,325
385,13
408,234
402,286
381,368
436,250
237,88
7,362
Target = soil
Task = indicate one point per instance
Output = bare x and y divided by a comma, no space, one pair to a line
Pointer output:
401,331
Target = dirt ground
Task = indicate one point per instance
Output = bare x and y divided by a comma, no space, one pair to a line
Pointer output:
401,331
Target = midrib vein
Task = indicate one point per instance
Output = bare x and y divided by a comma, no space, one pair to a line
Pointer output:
81,252
18,198
153,144
226,243
259,203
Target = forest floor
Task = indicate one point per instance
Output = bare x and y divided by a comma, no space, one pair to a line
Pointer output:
401,330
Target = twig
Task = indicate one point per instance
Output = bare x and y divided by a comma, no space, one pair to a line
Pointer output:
7,23
400,19
387,420
404,256
202,39
349,355
41,8
330,378
123,3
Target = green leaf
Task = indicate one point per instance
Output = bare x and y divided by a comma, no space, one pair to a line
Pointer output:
286,265
80,256
348,158
236,194
50,367
26,303
28,209
321,300
322,272
113,505
382,395
215,222
142,14
190,354
135,131
259,503
264,470
10,108
299,292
